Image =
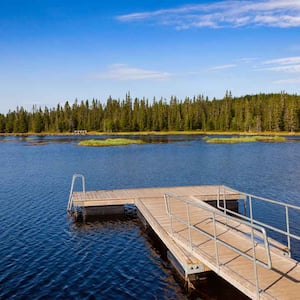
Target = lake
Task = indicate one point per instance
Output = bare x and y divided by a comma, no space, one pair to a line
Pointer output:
44,255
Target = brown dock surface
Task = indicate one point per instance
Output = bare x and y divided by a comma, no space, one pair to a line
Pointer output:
197,252
127,196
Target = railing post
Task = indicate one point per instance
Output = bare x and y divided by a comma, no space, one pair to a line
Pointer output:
83,183
250,208
167,204
245,205
218,197
224,200
253,249
288,229
225,205
189,225
170,215
267,248
216,240
254,263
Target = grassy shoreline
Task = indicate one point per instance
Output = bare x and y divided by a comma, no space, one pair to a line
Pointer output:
196,132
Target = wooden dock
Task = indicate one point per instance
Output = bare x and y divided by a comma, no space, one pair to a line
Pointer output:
200,237
128,196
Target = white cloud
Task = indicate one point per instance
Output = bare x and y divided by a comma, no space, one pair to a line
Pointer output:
125,72
246,60
287,81
289,65
283,61
270,13
285,64
286,69
222,67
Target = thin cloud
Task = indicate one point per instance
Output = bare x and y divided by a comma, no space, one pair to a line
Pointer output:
288,65
246,60
268,13
283,61
125,72
287,81
222,67
286,69
285,64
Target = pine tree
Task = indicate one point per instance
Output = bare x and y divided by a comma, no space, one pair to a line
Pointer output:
2,123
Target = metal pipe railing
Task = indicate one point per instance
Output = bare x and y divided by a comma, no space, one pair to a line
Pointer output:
214,236
220,214
70,202
251,219
215,215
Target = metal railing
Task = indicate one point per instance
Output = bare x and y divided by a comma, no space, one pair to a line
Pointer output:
248,198
70,202
216,217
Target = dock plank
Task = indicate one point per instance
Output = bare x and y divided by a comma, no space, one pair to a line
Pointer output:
124,196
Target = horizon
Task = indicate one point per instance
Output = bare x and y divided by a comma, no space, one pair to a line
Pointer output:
53,51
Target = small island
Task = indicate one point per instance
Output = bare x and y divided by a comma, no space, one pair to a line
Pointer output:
244,139
110,142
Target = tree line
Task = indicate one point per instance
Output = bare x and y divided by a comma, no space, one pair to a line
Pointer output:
260,112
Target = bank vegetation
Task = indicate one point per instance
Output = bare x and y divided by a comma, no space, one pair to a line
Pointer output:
251,113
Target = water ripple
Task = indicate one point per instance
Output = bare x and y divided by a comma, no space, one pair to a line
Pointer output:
45,256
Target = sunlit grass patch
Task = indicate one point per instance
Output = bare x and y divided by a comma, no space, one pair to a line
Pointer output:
244,139
110,142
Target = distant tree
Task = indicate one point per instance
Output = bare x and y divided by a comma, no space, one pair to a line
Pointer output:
291,111
20,124
38,121
260,112
2,123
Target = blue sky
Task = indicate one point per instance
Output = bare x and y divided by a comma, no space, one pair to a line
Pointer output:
57,50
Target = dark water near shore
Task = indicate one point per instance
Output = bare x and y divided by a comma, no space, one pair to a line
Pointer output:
45,256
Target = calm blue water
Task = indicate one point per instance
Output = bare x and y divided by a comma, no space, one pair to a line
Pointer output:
43,255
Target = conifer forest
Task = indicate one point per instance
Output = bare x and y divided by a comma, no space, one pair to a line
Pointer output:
250,113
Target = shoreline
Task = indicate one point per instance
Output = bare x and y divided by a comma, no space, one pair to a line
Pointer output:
136,133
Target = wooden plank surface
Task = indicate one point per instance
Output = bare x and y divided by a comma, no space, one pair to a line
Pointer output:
124,196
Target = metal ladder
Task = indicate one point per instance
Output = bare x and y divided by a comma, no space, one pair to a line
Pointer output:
70,207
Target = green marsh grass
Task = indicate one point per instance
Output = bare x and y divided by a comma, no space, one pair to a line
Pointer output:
110,142
244,139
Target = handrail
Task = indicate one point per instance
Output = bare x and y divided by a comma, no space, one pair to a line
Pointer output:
254,228
251,219
70,202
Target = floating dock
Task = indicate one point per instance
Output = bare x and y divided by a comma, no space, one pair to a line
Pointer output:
203,231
